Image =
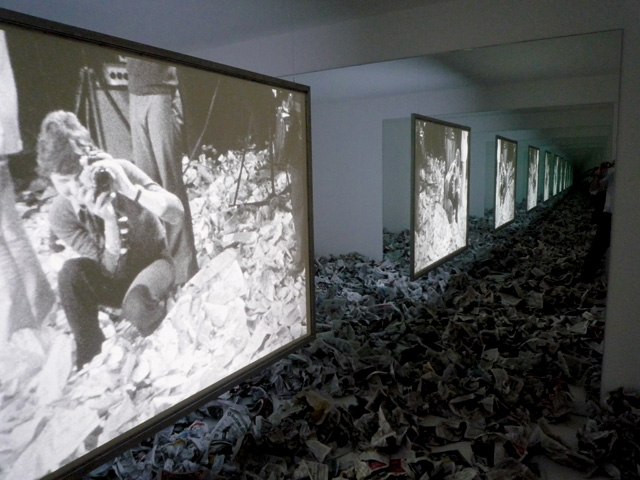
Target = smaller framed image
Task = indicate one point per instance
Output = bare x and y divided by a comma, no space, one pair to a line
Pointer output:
547,176
440,192
556,174
505,194
532,179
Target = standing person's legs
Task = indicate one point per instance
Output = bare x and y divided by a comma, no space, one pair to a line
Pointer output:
27,295
14,306
142,151
156,139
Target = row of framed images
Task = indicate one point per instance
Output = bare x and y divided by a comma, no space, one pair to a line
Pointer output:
250,299
440,188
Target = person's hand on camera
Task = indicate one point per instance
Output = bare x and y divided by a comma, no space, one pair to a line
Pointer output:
100,204
120,181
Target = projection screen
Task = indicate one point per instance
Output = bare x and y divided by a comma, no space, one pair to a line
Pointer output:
166,247
505,194
440,192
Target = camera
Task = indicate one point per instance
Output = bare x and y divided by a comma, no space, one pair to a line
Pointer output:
102,180
98,178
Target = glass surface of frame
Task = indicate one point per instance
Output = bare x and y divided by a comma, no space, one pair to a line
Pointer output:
206,174
440,192
547,176
505,194
532,178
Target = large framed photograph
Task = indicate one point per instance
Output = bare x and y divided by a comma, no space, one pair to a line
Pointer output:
532,178
505,194
440,192
547,176
156,210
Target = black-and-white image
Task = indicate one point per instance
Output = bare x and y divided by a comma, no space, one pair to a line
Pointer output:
532,178
505,195
440,192
547,176
556,175
155,228
564,174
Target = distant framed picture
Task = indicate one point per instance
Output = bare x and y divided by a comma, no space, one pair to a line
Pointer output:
505,193
532,177
556,175
164,206
547,176
439,192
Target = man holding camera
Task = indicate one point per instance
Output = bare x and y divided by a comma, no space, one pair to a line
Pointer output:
110,212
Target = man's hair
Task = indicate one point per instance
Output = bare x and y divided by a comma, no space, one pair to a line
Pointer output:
62,141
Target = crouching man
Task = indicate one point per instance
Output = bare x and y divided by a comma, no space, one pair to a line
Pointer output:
109,212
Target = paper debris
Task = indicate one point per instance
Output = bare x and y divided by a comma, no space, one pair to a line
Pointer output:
454,376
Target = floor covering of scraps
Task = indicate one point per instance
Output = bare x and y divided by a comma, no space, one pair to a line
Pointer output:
486,368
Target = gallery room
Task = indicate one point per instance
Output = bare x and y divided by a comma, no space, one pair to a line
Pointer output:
332,239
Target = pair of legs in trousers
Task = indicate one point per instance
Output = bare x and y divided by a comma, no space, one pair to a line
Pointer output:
26,297
84,286
156,136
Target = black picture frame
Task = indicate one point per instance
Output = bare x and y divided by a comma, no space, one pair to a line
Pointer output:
563,174
533,157
556,175
547,176
251,301
440,165
505,185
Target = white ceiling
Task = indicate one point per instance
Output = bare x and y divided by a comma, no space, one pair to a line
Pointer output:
188,25
557,58
191,24
565,57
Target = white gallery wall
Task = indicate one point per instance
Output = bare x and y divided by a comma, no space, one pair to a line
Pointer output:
351,132
347,135
396,174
